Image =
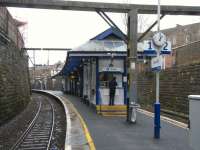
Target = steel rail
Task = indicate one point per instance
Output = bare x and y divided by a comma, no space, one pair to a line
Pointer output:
28,129
52,127
33,124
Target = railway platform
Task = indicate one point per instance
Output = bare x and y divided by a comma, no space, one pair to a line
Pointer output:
114,133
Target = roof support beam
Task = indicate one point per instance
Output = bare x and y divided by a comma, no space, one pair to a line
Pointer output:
111,23
103,17
106,7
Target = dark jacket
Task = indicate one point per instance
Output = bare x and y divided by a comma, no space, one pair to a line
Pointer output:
112,85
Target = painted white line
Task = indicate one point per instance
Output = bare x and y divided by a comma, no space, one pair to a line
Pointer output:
68,145
68,129
166,119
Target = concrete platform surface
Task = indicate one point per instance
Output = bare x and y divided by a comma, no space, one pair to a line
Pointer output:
114,133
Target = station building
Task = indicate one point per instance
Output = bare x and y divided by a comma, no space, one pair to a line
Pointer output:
90,67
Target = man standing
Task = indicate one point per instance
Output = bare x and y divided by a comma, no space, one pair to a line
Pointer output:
112,88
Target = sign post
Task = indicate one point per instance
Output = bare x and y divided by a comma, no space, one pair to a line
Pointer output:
157,106
159,40
155,48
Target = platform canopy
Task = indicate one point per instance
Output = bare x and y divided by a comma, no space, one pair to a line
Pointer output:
101,46
72,65
106,44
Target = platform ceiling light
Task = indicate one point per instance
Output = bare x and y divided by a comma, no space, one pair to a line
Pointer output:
72,77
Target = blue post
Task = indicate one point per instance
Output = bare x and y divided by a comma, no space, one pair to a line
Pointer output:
125,83
157,107
157,120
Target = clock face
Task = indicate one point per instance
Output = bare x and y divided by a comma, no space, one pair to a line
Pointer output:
159,39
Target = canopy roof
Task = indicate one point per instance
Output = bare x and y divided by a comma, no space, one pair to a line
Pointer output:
108,43
111,32
102,46
72,65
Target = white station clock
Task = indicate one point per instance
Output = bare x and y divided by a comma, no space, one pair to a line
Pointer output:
159,39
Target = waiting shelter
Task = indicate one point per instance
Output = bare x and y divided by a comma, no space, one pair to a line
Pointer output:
90,67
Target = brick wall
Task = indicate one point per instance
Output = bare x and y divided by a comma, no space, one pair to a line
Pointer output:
175,86
14,75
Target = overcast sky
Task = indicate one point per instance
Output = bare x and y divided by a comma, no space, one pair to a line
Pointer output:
68,29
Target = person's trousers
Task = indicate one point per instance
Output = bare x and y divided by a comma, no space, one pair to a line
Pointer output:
112,98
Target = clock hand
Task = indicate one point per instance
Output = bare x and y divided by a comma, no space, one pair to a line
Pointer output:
160,38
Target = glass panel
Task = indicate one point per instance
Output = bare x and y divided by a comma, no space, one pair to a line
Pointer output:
108,44
118,44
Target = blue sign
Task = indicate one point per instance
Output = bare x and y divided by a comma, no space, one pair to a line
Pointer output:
167,48
149,49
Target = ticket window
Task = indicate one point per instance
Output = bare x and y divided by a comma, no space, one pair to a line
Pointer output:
106,77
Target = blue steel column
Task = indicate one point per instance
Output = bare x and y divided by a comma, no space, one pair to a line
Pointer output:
157,120
97,81
81,81
125,83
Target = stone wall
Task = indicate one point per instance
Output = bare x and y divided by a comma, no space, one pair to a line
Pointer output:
9,28
175,86
14,75
188,54
14,87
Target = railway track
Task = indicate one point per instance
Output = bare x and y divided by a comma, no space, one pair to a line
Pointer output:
38,135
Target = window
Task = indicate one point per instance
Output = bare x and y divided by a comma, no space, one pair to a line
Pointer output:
105,77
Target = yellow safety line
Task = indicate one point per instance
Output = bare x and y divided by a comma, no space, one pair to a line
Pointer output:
85,129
